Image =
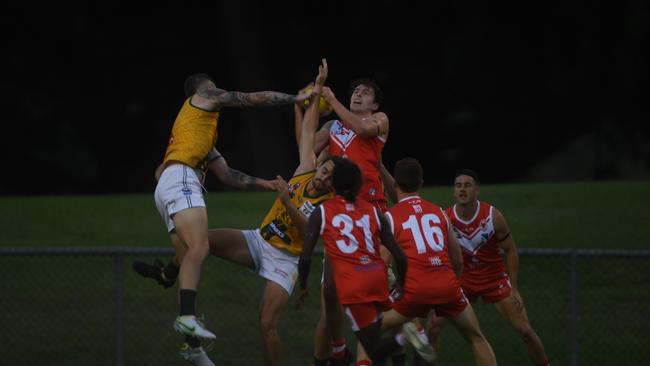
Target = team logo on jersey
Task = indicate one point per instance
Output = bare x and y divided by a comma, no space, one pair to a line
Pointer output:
341,135
435,261
293,188
372,191
186,191
307,208
417,208
273,229
364,259
484,223
340,130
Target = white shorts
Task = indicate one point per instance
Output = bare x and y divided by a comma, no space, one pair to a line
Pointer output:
272,263
178,188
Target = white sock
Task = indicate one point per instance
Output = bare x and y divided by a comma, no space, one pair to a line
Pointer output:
400,338
423,334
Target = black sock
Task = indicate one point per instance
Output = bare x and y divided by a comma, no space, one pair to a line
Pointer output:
398,359
187,302
192,341
171,271
318,362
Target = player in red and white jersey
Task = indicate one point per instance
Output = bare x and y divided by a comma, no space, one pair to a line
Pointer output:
351,229
484,273
482,232
434,258
358,135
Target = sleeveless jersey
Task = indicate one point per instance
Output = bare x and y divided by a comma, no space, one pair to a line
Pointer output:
482,262
365,152
278,228
193,136
421,230
350,232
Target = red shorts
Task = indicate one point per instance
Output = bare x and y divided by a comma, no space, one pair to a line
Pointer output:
492,292
364,314
411,306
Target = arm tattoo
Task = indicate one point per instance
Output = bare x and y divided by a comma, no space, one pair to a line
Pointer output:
237,179
267,98
240,99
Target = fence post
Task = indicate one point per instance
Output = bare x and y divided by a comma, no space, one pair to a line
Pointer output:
573,298
119,308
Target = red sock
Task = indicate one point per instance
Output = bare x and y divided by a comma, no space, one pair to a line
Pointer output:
364,363
338,349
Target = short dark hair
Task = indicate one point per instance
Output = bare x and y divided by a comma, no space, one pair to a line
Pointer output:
193,81
468,172
346,178
379,95
408,175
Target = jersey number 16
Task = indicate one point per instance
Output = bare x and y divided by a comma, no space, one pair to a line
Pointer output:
429,225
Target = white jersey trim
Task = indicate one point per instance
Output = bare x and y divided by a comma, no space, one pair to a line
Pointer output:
411,197
322,219
391,222
377,217
478,209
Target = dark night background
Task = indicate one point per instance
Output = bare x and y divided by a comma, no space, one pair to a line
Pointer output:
523,93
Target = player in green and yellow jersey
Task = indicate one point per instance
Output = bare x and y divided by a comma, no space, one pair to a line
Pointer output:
179,193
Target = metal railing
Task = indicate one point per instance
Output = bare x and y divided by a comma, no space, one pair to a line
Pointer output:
634,267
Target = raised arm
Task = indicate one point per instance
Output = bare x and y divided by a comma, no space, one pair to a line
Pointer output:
507,243
310,123
371,126
230,177
298,113
211,98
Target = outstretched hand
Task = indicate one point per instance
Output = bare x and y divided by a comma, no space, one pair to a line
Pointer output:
305,94
268,185
328,94
322,73
306,90
280,186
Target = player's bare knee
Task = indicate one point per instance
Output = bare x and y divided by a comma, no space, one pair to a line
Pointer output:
474,336
526,333
268,323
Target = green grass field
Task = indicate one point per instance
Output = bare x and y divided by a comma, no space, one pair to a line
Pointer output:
60,310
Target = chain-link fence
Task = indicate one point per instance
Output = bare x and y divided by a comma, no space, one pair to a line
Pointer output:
87,307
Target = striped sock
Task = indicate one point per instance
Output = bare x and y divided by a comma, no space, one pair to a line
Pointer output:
338,349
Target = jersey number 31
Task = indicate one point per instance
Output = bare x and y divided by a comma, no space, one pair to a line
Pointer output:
344,223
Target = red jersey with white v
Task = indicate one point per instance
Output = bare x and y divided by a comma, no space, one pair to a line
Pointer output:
365,152
482,262
351,235
421,230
